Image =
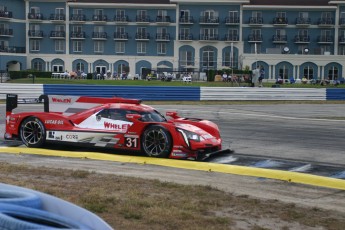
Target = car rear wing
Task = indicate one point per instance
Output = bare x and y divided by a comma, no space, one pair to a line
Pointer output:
12,101
66,105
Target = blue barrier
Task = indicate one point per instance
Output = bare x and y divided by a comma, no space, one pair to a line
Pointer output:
335,94
153,93
173,93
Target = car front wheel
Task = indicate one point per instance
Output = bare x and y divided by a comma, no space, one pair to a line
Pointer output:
156,141
32,132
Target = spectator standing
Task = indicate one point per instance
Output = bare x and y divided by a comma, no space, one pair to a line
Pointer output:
255,77
262,76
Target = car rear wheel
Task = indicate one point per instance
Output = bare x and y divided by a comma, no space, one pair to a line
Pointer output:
33,132
156,141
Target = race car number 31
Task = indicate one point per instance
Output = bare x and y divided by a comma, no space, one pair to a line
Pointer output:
131,142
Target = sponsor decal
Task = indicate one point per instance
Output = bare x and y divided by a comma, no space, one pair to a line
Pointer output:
51,134
61,100
71,136
179,153
54,122
117,127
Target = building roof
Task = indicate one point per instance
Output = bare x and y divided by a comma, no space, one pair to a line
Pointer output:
291,2
124,1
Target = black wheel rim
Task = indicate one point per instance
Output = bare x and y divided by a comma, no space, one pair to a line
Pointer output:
32,132
155,142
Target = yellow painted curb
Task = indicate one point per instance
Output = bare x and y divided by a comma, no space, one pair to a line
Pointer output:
294,177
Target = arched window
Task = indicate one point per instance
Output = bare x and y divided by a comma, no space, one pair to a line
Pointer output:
37,65
80,66
284,72
333,73
308,72
208,58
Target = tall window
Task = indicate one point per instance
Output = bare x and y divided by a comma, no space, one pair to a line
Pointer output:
284,72
98,46
77,11
59,11
120,47
308,72
141,47
161,48
37,65
185,14
77,46
35,45
333,73
60,45
80,66
341,50
120,14
186,58
162,13
208,58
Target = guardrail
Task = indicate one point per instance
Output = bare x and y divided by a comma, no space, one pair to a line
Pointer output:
171,93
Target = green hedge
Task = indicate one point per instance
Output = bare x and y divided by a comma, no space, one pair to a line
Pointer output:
29,74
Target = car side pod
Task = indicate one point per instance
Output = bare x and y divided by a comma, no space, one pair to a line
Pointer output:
202,157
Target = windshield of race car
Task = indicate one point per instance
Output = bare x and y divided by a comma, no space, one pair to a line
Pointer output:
120,114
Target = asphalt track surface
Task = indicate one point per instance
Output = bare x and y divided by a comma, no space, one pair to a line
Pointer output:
262,136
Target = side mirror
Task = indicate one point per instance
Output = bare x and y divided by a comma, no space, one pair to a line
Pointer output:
172,114
133,117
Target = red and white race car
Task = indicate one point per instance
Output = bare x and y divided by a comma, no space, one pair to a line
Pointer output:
118,123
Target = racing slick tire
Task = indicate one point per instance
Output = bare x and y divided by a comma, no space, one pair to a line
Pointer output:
156,141
27,199
33,132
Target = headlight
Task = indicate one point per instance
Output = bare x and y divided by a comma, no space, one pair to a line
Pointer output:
188,135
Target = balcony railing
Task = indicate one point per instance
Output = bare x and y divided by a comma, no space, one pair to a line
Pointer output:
302,39
57,34
256,21
35,16
325,22
280,21
12,49
142,36
6,32
121,18
255,38
209,37
99,35
162,37
78,35
57,17
120,36
163,19
208,20
6,14
78,17
142,19
35,33
186,20
232,20
185,37
325,39
231,38
99,18
279,38
303,21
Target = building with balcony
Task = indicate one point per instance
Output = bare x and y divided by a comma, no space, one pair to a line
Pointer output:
287,39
